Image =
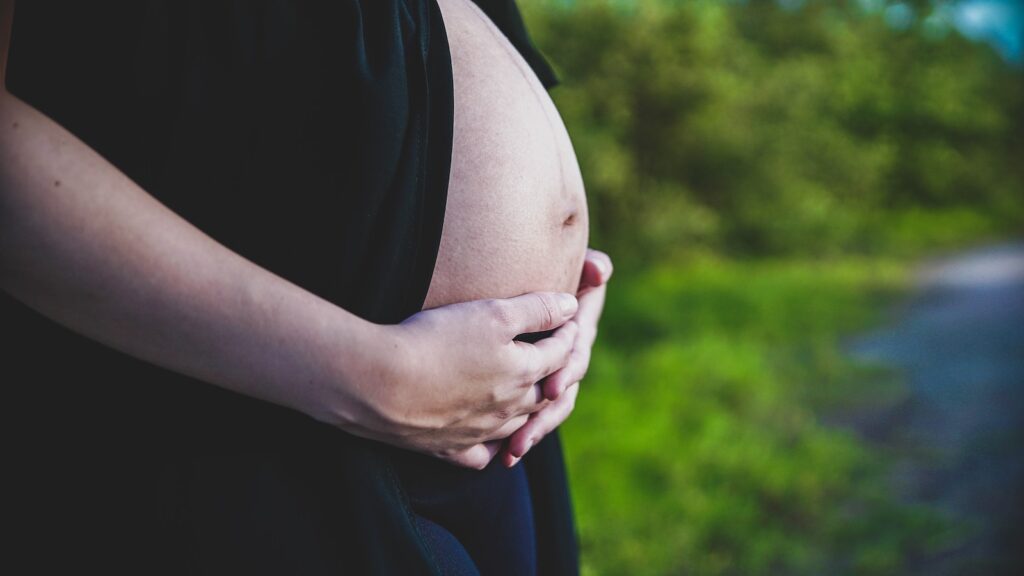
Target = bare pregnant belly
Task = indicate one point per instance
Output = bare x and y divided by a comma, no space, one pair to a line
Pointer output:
516,218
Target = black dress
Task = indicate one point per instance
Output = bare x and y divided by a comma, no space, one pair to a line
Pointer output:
313,138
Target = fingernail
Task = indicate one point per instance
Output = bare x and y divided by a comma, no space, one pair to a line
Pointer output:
567,304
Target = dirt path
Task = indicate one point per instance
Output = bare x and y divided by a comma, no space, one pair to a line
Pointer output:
960,437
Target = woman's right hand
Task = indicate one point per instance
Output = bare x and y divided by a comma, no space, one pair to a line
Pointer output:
456,382
85,246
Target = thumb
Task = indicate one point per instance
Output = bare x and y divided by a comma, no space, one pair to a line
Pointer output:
538,312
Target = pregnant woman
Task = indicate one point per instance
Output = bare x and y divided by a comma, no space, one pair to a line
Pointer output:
515,221
250,204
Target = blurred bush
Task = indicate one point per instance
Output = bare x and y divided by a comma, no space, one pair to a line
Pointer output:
762,173
697,447
752,128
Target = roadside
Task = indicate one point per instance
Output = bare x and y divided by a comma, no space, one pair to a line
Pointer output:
957,436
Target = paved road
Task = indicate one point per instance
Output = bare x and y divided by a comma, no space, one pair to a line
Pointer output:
960,343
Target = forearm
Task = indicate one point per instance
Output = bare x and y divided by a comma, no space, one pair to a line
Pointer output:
86,247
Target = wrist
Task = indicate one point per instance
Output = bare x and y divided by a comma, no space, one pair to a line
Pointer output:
363,375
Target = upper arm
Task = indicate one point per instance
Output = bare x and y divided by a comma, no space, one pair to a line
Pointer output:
6,18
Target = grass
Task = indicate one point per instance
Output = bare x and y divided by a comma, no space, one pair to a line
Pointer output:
697,445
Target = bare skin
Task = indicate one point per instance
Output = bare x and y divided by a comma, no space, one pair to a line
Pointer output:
563,385
516,215
85,246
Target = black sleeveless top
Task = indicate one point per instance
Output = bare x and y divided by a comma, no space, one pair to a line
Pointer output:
313,138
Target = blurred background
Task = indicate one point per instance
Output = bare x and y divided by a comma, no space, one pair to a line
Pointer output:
812,357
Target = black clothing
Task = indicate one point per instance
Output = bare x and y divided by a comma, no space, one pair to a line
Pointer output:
485,515
313,138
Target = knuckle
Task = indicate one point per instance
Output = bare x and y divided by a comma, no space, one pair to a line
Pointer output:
571,330
535,429
571,403
548,309
493,397
544,423
565,360
583,368
523,420
482,436
504,414
567,353
562,416
532,372
501,313
468,458
539,374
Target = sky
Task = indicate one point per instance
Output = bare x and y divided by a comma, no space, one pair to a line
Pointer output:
998,22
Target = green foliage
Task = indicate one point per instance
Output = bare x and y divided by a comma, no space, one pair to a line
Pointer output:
751,129
696,447
760,174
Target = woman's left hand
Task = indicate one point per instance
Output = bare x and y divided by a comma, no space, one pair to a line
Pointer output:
562,386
